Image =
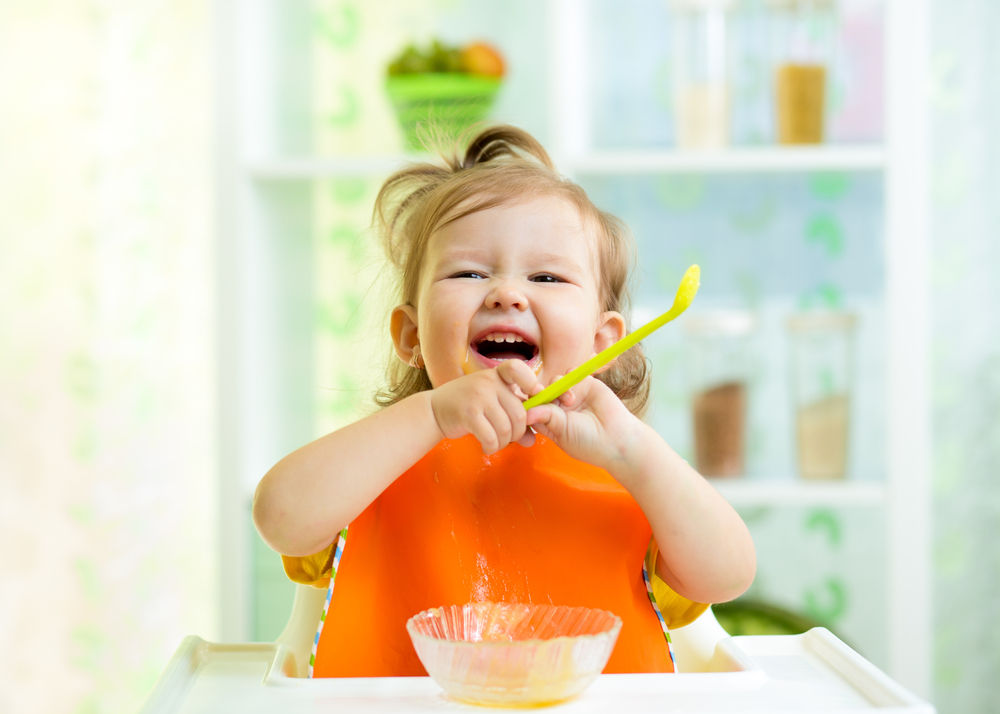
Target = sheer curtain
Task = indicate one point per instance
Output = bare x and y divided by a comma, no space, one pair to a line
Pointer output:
106,351
965,171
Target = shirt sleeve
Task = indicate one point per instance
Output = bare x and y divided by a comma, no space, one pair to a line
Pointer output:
312,569
677,610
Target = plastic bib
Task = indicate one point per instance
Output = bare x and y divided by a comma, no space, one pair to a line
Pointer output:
522,525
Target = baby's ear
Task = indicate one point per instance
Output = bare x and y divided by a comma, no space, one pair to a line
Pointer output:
610,329
403,327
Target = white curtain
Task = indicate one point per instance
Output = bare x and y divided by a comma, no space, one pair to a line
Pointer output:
106,352
965,232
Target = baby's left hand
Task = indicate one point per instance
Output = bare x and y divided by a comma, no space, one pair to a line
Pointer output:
590,423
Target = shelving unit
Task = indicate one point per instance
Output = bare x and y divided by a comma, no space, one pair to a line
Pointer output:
266,393
902,494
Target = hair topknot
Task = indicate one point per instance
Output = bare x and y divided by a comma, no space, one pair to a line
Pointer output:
503,141
500,164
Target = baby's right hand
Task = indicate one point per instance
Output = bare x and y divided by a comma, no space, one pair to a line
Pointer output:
487,404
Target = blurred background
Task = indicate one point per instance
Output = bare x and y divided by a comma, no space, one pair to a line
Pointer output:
189,291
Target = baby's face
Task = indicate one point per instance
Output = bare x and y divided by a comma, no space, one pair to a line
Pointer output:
517,281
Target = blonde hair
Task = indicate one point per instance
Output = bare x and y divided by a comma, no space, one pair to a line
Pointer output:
501,165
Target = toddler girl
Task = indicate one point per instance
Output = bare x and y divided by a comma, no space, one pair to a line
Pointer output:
453,492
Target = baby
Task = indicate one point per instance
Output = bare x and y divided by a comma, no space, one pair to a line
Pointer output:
453,492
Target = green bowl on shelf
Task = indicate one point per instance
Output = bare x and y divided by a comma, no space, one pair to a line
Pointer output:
445,102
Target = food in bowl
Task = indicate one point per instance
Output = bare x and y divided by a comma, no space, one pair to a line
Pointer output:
513,653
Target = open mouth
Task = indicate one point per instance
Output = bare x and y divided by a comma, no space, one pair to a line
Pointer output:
499,346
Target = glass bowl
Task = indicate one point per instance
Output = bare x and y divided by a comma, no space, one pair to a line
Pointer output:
513,654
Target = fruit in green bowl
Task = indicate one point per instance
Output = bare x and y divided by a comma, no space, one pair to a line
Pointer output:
444,87
476,58
482,58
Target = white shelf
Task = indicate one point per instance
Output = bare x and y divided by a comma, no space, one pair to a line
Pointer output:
735,160
744,493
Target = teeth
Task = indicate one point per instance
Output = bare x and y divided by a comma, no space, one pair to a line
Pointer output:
503,337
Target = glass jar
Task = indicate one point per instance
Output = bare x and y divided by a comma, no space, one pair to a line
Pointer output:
803,35
719,370
700,59
822,362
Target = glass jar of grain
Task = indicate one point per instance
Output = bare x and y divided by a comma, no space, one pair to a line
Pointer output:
804,39
719,370
822,360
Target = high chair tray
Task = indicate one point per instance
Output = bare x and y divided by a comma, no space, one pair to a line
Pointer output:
811,672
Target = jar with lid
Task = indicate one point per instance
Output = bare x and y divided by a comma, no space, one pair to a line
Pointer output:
822,352
700,61
803,38
719,363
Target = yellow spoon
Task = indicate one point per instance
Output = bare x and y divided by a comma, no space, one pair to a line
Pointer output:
685,294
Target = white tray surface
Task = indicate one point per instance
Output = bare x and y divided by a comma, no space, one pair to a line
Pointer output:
812,672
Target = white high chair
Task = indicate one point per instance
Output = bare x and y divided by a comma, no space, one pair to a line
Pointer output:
694,645
812,672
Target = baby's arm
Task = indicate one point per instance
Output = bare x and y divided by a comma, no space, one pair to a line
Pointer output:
706,552
311,494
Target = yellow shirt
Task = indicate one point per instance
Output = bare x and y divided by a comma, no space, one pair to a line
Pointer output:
677,611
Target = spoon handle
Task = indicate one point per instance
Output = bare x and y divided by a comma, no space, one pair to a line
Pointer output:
685,294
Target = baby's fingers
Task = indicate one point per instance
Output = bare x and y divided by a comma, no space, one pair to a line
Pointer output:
568,398
580,394
520,377
546,419
527,438
486,432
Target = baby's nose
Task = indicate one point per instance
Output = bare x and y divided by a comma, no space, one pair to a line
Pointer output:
505,295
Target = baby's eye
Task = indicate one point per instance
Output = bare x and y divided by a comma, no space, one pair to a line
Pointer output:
468,274
546,278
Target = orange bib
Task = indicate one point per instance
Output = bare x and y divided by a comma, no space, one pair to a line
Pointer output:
523,525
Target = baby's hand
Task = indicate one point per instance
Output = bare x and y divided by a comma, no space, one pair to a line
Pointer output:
589,422
487,404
